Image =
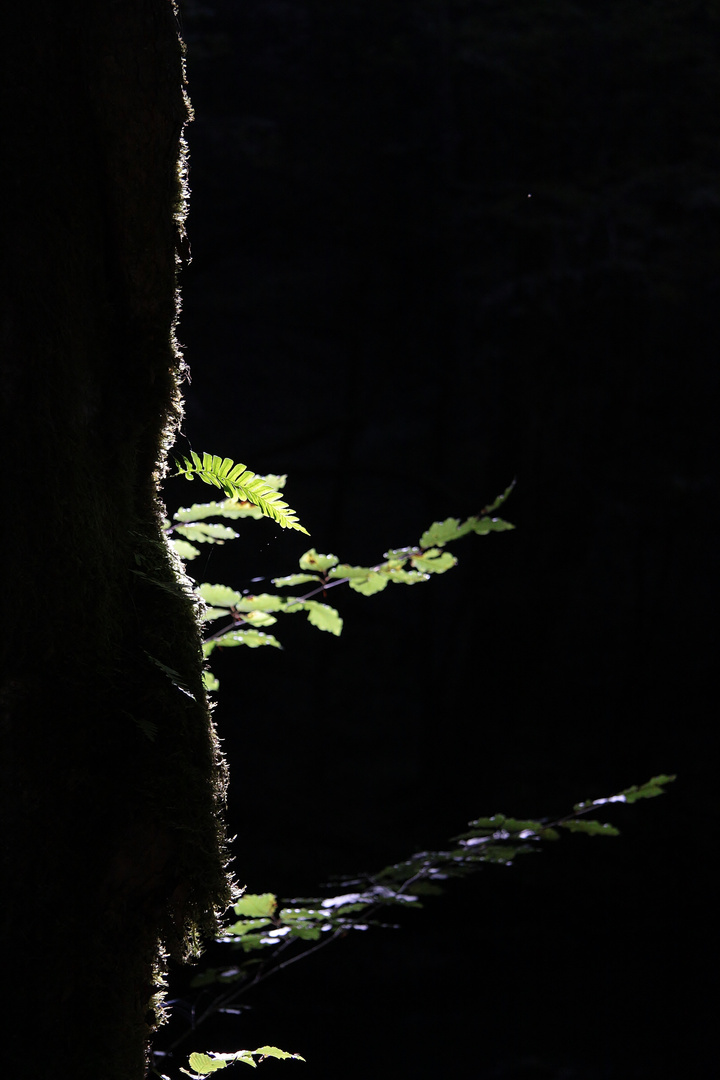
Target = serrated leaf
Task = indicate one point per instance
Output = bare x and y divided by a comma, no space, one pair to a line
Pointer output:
442,532
650,790
273,1052
294,579
434,561
494,822
204,532
402,553
256,905
227,509
407,577
214,613
239,483
373,583
202,1064
258,618
500,499
252,638
246,926
311,560
261,602
219,596
485,525
344,570
591,828
184,550
320,615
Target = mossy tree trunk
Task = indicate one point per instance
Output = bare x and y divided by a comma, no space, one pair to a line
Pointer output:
112,840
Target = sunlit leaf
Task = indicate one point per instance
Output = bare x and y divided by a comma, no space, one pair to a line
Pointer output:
229,508
221,596
273,1052
442,532
261,602
256,905
434,561
204,532
184,550
485,525
214,613
252,638
311,560
241,484
246,926
258,618
294,579
320,615
210,683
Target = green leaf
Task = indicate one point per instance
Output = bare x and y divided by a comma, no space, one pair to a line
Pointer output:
206,532
500,499
311,560
214,613
261,602
256,905
210,683
295,579
184,550
203,1065
229,508
434,561
592,828
253,638
373,583
485,525
406,577
650,790
246,926
258,618
273,1052
320,615
240,484
442,532
221,596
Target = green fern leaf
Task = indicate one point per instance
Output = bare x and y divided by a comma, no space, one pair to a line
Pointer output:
240,484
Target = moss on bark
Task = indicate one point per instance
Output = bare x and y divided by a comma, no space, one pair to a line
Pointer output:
113,849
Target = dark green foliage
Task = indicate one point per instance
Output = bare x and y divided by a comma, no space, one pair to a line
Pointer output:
266,936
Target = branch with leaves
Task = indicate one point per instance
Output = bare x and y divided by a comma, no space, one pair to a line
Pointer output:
270,937
245,616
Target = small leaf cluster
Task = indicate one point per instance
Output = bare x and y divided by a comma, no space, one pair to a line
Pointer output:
239,485
204,1064
246,617
271,936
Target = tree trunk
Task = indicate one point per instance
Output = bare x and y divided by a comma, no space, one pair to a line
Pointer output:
112,839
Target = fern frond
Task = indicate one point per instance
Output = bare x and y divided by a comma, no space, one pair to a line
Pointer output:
240,484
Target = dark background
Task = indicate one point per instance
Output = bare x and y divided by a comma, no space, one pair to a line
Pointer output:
438,245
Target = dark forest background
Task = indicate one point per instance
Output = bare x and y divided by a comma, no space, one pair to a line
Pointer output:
438,245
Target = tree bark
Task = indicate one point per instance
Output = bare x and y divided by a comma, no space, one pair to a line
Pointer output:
113,851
